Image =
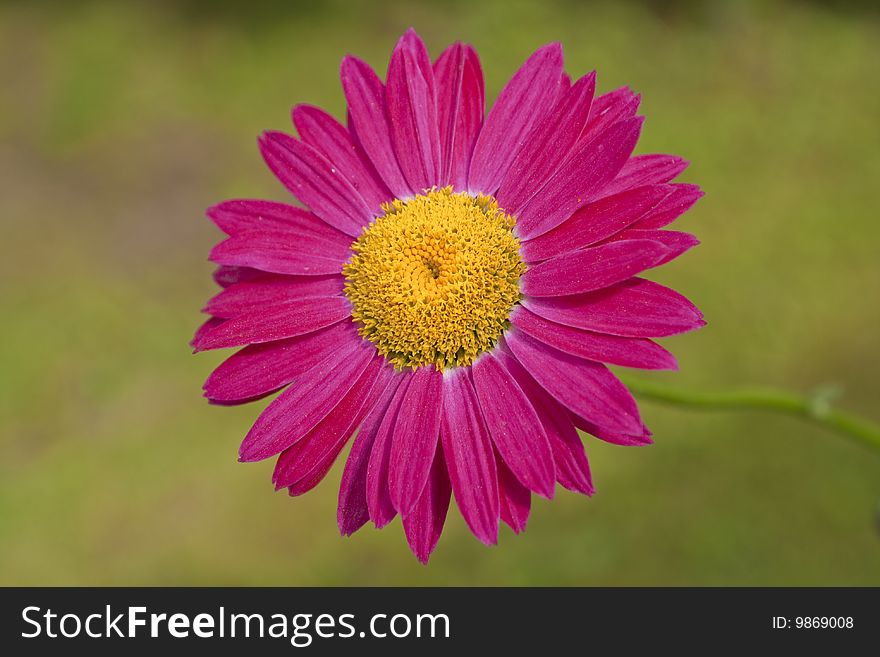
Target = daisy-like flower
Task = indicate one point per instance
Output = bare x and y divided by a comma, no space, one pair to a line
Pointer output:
453,292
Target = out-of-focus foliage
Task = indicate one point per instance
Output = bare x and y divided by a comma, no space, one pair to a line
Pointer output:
121,122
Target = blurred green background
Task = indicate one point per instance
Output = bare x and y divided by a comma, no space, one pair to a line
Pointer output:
120,122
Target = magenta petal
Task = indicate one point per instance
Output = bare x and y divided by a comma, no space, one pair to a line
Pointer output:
595,222
412,112
207,327
584,387
316,475
321,131
672,207
629,352
591,269
562,92
460,105
225,276
572,468
547,147
280,252
424,524
526,99
379,502
276,322
583,176
262,368
352,512
415,437
469,456
300,407
635,308
315,181
514,426
634,439
675,242
646,170
248,216
310,458
515,500
270,290
608,109
365,94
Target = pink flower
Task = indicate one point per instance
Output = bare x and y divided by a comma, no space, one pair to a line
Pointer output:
453,292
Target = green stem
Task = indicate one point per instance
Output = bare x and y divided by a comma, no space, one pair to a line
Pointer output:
816,409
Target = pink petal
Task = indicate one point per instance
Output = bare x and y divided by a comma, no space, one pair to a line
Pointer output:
635,439
365,94
300,407
675,242
317,474
514,425
379,502
584,387
321,131
352,512
415,437
547,147
263,368
572,468
608,109
284,320
629,352
281,252
469,456
460,106
595,222
314,180
672,207
515,500
526,99
247,216
310,458
424,524
635,308
564,88
412,112
207,327
225,276
591,269
646,170
269,290
583,176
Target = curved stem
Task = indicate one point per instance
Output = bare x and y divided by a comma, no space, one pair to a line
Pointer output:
816,408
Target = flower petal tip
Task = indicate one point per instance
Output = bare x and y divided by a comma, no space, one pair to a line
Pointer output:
547,494
551,50
422,556
379,523
489,538
247,454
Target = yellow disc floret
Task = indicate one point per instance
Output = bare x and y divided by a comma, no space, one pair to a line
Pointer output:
434,279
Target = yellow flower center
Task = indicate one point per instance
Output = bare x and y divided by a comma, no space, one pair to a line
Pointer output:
433,280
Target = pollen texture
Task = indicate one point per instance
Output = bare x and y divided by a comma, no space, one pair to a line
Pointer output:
433,280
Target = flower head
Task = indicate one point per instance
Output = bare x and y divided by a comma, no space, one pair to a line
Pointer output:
453,293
